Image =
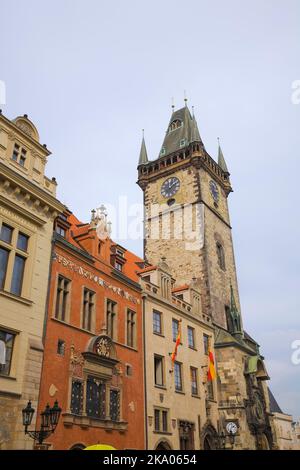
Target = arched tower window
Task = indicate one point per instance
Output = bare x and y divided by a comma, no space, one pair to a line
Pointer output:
221,256
175,125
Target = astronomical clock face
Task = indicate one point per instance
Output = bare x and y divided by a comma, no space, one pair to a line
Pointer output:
170,187
214,190
258,408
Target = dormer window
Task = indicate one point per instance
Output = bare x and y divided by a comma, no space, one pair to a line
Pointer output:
19,155
175,125
118,266
182,143
163,151
60,230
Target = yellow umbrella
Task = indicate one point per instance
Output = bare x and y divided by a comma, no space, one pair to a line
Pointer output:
100,447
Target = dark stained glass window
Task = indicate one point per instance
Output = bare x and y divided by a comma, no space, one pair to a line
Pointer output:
95,398
76,397
114,405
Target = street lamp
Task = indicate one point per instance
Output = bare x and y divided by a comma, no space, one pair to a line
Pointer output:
49,421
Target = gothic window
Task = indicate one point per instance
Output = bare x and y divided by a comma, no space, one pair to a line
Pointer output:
76,397
61,346
4,254
206,344
175,124
191,337
62,298
175,329
88,309
210,390
95,398
13,245
114,405
111,318
157,324
131,328
194,380
221,256
18,274
6,350
159,370
19,155
161,420
178,376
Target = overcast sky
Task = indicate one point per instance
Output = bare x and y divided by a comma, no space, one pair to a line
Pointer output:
91,74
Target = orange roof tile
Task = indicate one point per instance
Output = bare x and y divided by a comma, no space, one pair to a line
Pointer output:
180,288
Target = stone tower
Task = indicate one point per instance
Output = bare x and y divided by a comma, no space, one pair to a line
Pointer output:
186,214
187,223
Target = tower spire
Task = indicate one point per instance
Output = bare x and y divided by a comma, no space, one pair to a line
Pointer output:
221,159
143,152
235,315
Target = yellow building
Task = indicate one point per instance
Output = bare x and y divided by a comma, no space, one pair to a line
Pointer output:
181,406
28,207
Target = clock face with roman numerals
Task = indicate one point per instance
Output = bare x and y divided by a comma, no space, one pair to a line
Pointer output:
170,187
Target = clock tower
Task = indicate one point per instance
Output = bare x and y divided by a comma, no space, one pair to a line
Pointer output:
186,216
187,224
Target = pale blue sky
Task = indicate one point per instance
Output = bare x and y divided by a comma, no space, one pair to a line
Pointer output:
91,74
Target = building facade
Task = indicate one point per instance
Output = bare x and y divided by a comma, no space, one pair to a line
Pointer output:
28,207
181,406
187,222
93,358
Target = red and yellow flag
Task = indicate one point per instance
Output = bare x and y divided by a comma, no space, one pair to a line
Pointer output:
211,372
177,343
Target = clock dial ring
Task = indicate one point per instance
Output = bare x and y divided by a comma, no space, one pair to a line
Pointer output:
170,187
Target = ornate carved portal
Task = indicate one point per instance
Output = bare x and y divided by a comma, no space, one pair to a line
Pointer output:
186,435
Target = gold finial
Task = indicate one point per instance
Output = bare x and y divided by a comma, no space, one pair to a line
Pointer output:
173,106
185,98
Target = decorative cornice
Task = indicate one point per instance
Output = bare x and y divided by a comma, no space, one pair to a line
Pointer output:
39,196
17,130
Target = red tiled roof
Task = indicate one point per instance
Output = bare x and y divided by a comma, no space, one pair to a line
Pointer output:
180,288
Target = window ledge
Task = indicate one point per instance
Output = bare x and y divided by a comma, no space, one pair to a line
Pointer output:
165,433
84,421
181,392
158,334
161,387
195,396
18,298
9,377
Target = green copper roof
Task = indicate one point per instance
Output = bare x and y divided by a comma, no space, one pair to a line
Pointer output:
182,130
143,154
221,160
